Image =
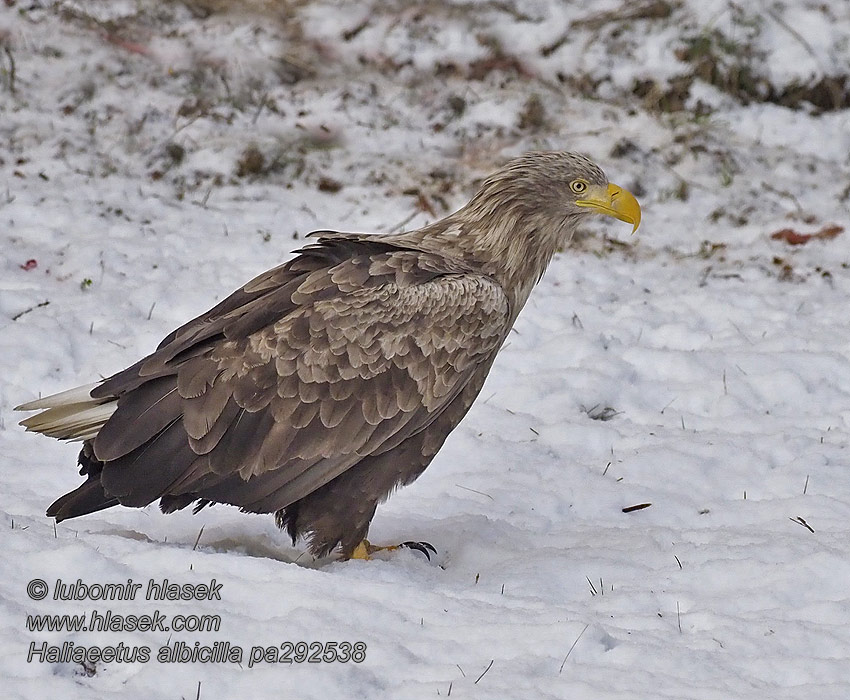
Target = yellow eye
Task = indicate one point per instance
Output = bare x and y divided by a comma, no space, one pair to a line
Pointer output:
578,186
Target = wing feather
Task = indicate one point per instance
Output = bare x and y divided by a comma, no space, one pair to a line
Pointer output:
344,352
157,405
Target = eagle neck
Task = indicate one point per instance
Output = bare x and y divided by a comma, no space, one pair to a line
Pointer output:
513,248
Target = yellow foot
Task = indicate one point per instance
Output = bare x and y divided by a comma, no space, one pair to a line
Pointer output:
366,549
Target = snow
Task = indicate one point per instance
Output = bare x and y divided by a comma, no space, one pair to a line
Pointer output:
719,357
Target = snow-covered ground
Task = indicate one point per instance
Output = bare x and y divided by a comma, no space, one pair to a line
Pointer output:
156,155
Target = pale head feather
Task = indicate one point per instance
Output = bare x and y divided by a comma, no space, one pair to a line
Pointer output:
521,215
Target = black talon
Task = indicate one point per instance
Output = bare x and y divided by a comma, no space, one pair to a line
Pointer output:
421,547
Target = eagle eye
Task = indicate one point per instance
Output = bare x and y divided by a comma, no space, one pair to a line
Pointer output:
579,186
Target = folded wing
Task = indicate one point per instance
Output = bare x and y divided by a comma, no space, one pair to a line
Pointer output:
344,352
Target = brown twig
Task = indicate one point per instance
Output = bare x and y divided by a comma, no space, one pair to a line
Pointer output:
802,522
572,647
484,671
31,308
11,58
198,539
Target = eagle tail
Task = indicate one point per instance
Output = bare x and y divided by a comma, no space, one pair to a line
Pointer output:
69,415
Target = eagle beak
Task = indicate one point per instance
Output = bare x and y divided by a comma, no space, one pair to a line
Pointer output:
613,201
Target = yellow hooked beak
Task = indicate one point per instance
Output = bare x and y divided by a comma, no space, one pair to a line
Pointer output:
613,201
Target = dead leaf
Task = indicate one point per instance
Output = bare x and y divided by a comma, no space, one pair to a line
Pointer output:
791,237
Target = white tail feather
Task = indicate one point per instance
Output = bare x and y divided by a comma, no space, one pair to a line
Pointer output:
80,394
69,415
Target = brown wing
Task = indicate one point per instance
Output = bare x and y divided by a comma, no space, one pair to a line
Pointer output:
341,353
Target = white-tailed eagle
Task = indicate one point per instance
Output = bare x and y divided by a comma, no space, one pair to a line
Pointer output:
325,383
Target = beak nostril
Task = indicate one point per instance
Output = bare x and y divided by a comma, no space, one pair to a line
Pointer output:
616,202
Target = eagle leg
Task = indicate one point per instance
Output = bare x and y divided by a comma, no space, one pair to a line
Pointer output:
365,549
